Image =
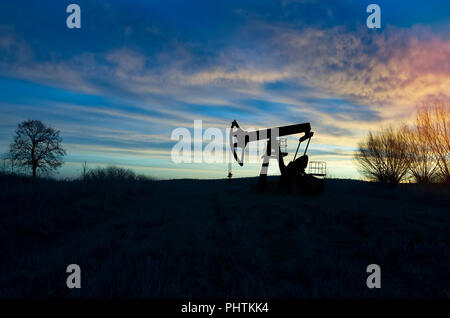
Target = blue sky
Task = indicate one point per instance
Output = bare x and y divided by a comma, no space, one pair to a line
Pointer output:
136,70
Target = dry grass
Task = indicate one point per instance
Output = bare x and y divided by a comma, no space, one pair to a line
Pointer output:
185,238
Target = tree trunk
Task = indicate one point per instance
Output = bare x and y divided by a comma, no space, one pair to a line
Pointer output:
34,171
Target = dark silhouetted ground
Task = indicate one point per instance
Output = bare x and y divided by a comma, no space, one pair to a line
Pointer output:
211,238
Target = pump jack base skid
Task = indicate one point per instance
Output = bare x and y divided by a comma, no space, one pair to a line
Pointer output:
308,185
305,183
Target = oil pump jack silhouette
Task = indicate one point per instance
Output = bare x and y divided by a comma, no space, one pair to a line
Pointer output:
292,174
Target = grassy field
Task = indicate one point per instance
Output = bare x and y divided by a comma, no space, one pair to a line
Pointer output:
211,238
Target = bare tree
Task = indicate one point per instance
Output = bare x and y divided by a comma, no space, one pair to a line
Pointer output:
423,165
84,170
9,165
37,147
434,120
383,156
3,165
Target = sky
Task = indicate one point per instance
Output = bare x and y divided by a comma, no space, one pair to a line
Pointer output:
136,70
